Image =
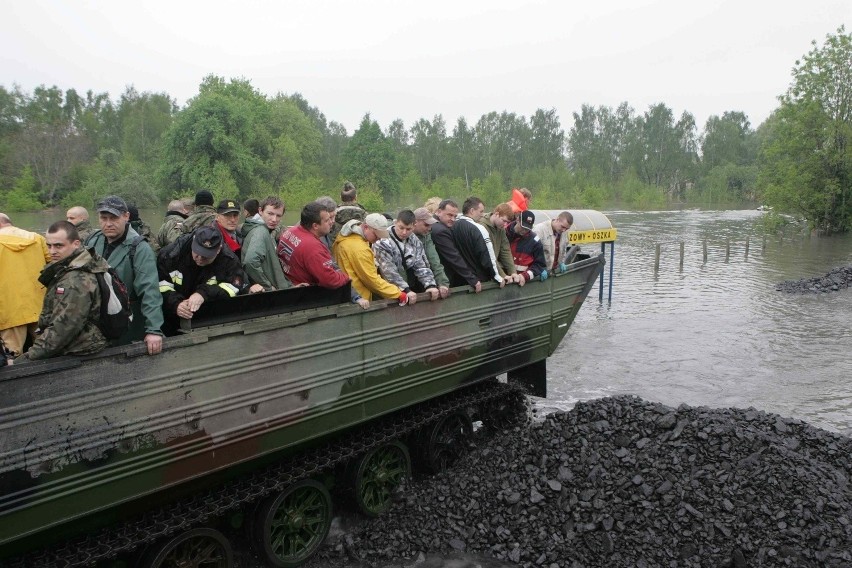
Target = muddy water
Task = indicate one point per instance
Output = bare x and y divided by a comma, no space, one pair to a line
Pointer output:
714,333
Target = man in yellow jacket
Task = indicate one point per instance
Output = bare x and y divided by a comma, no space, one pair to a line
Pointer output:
22,256
353,255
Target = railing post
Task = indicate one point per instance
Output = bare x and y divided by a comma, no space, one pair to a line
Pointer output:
727,249
705,251
747,245
681,255
657,258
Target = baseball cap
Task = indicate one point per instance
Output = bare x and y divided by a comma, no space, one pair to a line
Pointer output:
207,242
527,219
113,204
378,223
422,214
227,206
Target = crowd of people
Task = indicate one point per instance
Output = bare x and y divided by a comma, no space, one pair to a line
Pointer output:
51,303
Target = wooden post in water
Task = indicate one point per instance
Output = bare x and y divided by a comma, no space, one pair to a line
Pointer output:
747,243
681,255
764,243
657,258
705,251
727,249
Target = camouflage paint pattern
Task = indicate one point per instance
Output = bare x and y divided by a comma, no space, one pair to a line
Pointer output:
99,434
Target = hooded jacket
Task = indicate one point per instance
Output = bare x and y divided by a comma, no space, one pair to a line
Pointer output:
354,256
259,258
72,308
22,255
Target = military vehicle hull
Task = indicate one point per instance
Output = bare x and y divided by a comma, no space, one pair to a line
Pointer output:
90,442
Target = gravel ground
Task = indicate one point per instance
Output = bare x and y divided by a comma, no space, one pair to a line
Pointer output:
837,279
622,482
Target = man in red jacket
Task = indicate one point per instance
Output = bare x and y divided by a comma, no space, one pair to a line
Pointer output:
304,259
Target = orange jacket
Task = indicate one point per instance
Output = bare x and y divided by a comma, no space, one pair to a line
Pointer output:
518,202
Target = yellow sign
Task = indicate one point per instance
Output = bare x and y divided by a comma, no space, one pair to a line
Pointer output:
593,236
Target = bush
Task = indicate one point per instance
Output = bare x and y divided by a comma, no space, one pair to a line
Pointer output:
23,195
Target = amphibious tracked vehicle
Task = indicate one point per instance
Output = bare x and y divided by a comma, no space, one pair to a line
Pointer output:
252,413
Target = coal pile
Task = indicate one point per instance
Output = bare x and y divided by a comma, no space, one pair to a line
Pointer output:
837,279
625,482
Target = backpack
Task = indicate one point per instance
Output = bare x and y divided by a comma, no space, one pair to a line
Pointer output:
116,314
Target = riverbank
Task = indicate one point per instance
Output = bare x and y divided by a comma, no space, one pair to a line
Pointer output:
626,482
835,280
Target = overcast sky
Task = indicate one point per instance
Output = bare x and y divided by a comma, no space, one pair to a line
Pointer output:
411,60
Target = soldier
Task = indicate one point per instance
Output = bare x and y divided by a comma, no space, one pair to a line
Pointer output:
23,255
140,226
555,241
172,226
79,217
134,262
349,209
402,260
72,304
353,255
204,212
259,257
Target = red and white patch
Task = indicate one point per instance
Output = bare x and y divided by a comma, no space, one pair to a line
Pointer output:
60,291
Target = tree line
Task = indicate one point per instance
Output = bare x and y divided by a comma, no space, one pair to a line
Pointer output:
62,148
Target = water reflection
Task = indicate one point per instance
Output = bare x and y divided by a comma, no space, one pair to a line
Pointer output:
715,334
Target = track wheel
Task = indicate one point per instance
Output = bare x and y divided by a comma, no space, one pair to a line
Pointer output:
377,474
291,526
196,548
443,443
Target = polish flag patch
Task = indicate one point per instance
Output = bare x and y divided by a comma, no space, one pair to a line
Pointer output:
60,291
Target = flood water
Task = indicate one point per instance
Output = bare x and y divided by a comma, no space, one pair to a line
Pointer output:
716,333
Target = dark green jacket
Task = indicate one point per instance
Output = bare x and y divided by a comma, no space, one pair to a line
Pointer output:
502,249
438,271
259,258
71,309
141,280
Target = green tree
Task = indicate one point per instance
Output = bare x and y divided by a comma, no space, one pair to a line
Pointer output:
369,159
806,157
225,126
144,119
24,193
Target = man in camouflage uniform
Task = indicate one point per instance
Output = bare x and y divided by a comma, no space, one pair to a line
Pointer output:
79,216
172,226
72,304
137,224
348,209
204,213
